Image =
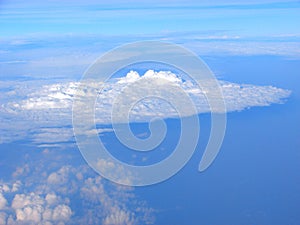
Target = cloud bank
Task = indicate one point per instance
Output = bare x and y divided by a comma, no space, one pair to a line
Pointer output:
49,106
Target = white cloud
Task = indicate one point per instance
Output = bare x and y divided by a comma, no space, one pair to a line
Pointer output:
21,171
117,172
59,180
30,214
46,195
112,212
34,208
22,200
51,199
16,186
53,135
61,213
28,207
3,202
3,217
4,188
47,110
59,177
118,217
245,48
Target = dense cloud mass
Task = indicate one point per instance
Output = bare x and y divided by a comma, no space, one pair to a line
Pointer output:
49,106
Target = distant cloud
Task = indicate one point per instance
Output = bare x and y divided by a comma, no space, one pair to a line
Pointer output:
245,47
69,55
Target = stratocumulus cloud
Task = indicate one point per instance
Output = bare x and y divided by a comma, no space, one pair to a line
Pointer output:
50,105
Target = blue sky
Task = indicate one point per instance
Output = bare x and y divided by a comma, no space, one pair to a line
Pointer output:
247,18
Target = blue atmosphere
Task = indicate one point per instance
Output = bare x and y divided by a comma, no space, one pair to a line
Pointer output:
48,48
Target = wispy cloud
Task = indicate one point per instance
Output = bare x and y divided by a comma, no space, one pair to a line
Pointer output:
67,56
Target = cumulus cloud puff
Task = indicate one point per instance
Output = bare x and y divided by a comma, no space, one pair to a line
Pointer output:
35,209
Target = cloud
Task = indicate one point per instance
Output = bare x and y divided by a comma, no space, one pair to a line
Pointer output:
118,217
246,47
112,212
116,172
4,188
36,209
3,201
3,217
46,110
55,192
48,190
51,198
61,213
68,56
44,190
59,177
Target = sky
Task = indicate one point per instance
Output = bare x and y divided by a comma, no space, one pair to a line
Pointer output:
251,48
249,18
